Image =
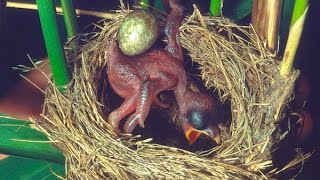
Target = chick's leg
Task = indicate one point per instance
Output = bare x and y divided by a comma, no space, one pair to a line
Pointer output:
143,106
127,107
171,29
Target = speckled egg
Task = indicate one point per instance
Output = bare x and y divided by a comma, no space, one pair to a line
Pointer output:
138,32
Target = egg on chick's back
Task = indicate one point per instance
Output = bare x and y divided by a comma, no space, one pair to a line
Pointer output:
138,32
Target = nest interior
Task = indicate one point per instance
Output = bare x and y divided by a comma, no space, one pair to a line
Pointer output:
232,62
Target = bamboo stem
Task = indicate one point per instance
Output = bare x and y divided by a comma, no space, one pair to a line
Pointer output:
69,15
296,27
266,21
53,43
273,19
215,7
79,12
299,10
257,17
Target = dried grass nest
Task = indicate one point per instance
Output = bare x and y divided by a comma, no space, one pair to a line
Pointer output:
232,61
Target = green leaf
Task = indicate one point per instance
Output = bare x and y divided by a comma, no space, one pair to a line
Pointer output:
144,4
236,9
20,139
215,7
159,5
299,10
21,168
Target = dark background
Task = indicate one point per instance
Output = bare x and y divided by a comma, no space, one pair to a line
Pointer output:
308,63
23,36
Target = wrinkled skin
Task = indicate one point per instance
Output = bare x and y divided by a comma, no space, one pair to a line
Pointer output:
139,79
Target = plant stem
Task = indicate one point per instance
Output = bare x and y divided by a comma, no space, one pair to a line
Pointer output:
300,7
79,12
69,15
53,43
215,7
266,20
20,139
296,27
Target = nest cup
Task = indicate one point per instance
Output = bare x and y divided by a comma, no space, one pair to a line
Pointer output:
232,62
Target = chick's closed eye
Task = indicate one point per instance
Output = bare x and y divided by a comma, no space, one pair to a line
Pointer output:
198,119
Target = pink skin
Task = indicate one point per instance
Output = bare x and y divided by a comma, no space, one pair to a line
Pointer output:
139,79
2,156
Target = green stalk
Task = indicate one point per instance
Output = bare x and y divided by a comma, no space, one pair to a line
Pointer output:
20,139
53,43
215,7
144,4
299,8
296,27
69,15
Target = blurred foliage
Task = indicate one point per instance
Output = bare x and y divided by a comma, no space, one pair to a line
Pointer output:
236,9
29,169
20,139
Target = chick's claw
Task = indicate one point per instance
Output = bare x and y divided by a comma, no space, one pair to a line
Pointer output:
132,122
113,121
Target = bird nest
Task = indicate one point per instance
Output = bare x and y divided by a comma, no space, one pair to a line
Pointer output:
232,62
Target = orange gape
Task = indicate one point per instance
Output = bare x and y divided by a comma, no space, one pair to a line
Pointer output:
139,79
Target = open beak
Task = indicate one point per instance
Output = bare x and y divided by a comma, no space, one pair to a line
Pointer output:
217,139
193,134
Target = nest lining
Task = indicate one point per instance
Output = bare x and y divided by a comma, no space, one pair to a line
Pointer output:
232,61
